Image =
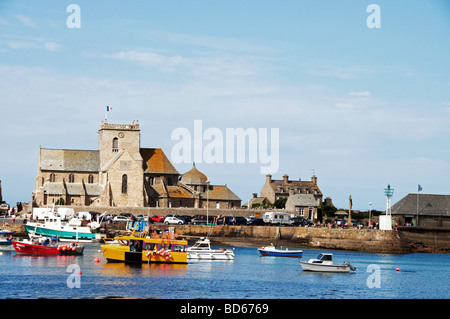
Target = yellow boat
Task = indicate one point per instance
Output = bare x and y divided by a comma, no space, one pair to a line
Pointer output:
155,249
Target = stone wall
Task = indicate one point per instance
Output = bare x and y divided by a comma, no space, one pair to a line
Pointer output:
375,241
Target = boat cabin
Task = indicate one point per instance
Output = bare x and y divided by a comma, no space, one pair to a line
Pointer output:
323,257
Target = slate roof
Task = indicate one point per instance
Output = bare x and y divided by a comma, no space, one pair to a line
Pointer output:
426,204
219,192
69,160
73,189
279,186
155,161
306,200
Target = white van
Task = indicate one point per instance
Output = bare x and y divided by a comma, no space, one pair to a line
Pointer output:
277,218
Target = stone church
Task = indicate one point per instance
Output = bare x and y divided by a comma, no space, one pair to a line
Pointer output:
122,174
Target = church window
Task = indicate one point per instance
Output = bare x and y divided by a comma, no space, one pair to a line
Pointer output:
169,181
91,179
71,178
124,184
151,180
115,144
52,178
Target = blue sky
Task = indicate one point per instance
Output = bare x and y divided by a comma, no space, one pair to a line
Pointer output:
361,107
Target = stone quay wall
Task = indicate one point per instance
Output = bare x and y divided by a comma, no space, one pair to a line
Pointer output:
364,240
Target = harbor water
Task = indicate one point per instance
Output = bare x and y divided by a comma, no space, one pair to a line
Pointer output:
249,276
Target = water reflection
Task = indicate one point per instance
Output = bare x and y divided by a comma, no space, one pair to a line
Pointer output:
154,270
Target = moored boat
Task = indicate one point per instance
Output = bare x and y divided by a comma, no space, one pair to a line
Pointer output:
154,249
6,240
70,231
46,246
280,252
324,263
201,250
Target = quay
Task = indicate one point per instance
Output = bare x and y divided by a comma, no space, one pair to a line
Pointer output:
402,241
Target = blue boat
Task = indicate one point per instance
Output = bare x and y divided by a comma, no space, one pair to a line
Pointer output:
280,252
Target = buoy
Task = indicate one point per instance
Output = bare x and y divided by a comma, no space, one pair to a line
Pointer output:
397,269
167,258
80,272
97,260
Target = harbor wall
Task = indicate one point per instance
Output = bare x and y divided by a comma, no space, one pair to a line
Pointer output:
365,240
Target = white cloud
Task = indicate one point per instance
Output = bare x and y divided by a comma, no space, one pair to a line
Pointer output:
365,93
26,21
28,42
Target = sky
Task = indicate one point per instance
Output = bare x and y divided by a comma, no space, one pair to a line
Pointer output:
359,107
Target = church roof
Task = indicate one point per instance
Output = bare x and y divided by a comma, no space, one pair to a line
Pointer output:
155,161
194,177
69,160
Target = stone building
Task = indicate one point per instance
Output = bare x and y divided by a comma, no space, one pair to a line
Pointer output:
427,210
303,197
121,173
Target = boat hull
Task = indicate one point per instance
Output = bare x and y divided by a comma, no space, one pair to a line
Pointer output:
63,234
33,249
316,267
176,254
281,253
210,255
6,245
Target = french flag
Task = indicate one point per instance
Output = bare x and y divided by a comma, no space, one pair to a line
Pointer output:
108,108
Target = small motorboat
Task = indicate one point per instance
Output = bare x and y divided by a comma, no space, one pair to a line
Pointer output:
280,252
324,263
6,240
201,250
46,246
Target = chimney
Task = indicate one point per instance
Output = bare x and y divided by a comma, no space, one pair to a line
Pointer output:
314,179
255,195
286,178
291,191
268,178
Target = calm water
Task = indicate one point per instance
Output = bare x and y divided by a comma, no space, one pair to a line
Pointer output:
249,276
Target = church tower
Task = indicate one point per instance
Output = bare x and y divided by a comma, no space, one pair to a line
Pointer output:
114,138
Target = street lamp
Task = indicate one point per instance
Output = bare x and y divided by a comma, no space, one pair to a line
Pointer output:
370,211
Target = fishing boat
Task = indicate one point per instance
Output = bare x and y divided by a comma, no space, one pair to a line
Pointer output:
45,247
201,250
324,263
156,248
67,231
280,252
6,240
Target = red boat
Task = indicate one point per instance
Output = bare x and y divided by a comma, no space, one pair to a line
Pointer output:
43,248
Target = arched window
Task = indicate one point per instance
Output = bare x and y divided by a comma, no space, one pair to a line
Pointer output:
124,184
91,179
52,178
71,178
115,144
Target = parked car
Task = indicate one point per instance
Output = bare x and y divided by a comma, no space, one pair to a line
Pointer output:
173,220
341,222
356,223
301,221
199,220
158,218
224,220
239,220
186,218
256,221
121,218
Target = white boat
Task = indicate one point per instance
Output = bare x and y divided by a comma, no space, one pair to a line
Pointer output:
324,263
68,231
6,240
201,250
